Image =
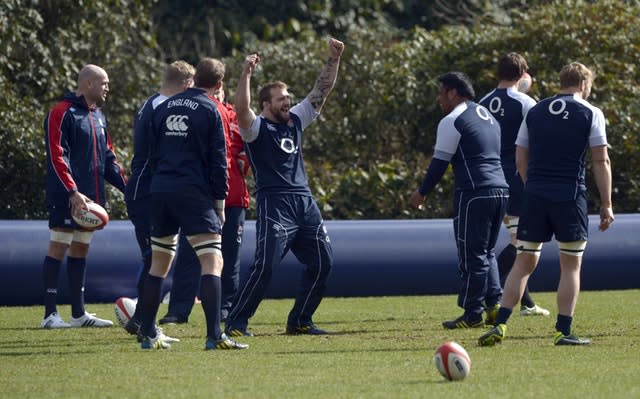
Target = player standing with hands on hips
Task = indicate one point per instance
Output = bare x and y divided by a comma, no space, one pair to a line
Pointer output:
468,137
288,217
551,146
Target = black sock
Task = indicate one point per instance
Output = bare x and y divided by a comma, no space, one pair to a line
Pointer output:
152,294
210,293
563,324
146,265
503,315
505,262
526,298
76,271
50,273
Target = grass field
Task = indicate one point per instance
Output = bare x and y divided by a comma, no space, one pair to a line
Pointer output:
382,348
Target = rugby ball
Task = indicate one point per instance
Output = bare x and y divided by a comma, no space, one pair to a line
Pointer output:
452,361
525,82
124,310
95,217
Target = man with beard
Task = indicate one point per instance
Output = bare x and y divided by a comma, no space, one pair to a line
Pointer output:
288,217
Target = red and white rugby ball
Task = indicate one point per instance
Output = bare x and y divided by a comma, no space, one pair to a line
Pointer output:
124,309
525,82
95,217
452,361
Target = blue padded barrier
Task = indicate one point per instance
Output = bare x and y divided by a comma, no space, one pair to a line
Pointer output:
372,258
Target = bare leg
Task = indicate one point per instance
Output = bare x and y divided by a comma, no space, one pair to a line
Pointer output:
569,286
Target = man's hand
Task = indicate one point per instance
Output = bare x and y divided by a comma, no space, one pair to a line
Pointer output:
416,200
78,202
606,218
250,63
336,47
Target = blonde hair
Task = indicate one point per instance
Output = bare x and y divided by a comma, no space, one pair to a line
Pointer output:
572,74
178,73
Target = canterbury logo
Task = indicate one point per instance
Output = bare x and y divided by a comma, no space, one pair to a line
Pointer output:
177,123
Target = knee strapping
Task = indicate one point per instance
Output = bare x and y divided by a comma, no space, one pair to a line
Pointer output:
165,244
207,247
511,224
528,247
83,237
63,237
574,248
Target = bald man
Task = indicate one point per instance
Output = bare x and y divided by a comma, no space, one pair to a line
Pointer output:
80,158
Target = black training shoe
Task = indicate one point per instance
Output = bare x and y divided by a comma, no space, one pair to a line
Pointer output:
171,319
571,339
223,343
309,329
462,322
238,332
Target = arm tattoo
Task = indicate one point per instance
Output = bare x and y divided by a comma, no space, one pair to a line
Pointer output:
324,84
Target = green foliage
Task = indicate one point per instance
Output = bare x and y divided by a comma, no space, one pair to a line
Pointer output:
43,44
382,348
382,114
374,139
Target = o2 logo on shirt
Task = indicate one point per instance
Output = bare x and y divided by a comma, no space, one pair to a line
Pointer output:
483,114
288,145
554,109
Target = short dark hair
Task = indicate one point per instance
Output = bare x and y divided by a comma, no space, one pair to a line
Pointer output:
511,66
209,72
458,81
264,94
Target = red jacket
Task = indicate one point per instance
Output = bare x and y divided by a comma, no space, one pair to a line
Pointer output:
238,194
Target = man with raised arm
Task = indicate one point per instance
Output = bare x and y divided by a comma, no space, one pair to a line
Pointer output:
288,217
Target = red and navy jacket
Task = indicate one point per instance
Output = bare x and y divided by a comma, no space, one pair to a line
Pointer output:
238,195
80,155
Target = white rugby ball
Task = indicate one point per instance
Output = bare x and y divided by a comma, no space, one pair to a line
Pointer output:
452,361
95,217
525,82
124,309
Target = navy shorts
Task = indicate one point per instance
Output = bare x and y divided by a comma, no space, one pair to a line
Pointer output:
193,213
541,219
516,188
60,217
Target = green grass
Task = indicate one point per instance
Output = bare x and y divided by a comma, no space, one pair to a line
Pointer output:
382,348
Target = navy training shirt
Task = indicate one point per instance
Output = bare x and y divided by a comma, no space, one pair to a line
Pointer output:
188,146
275,152
139,184
509,107
558,130
469,138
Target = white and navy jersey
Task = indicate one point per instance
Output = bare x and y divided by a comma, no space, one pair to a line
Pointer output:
139,184
469,138
509,107
558,131
188,146
275,152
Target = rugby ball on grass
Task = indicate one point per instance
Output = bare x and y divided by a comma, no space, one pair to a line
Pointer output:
452,361
95,217
525,82
124,309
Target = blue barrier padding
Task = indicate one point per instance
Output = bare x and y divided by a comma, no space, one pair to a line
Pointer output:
372,258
